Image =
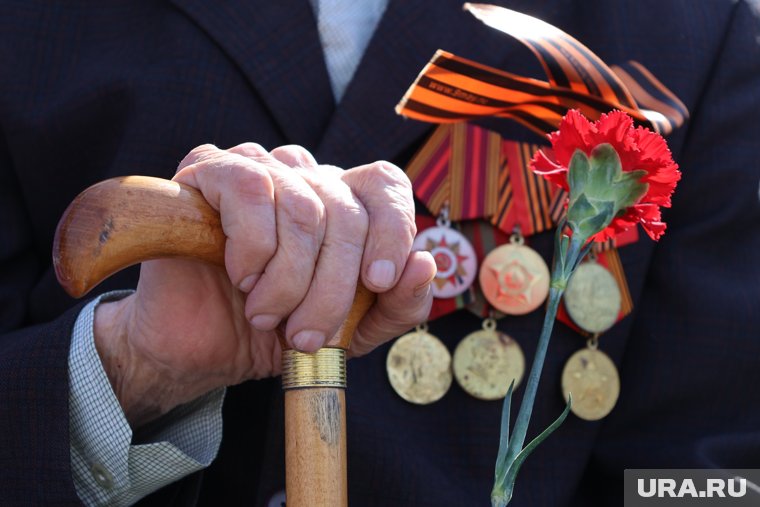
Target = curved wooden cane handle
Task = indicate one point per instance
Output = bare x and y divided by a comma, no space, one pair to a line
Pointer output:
124,221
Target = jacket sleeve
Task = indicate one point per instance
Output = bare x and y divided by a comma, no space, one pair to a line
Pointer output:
112,465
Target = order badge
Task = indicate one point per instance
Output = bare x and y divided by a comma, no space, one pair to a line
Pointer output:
454,257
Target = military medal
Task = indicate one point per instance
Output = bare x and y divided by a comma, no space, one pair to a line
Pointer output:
486,362
592,298
514,278
419,367
454,257
593,301
592,379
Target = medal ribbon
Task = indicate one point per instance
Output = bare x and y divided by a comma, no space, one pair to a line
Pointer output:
459,164
451,88
482,175
524,197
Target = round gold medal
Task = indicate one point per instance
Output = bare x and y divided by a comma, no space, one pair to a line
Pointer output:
487,361
593,380
592,298
514,279
419,367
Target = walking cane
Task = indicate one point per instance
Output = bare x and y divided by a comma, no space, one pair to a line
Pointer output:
123,221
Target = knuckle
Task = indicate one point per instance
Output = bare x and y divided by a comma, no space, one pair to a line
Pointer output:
398,225
251,182
248,149
297,154
198,154
203,150
388,171
349,245
264,246
307,213
352,218
395,184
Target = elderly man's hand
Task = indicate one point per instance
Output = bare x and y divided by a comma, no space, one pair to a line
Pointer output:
299,236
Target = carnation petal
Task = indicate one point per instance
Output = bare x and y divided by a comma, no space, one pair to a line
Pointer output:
575,132
616,128
555,173
638,148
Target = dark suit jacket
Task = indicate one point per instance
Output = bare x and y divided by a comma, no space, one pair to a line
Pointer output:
95,89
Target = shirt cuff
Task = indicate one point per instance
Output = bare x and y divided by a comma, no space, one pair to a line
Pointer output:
106,467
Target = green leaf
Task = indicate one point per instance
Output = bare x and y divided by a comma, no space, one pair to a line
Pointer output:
580,210
605,169
561,252
501,457
629,188
631,175
577,173
504,494
605,212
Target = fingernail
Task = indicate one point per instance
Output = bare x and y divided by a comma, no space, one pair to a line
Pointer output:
382,273
248,282
308,340
265,322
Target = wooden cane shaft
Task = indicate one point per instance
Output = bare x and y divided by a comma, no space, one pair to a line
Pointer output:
124,221
315,448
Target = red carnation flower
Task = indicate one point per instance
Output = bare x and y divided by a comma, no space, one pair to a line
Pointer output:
638,149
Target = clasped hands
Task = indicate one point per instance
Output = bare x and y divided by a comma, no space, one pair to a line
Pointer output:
299,236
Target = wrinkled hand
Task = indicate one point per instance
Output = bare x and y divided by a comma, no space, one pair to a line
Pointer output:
299,236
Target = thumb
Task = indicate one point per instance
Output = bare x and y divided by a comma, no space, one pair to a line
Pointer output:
399,309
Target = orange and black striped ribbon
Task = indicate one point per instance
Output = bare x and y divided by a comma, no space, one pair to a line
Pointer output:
524,197
451,89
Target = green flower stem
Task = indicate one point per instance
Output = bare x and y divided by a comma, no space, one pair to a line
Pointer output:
599,190
563,269
512,454
526,407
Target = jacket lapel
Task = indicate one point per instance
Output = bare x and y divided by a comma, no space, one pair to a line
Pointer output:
365,126
276,46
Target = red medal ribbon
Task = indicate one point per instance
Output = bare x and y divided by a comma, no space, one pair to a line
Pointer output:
458,165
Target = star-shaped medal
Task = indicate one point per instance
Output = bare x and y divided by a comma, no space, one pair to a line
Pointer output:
514,279
454,258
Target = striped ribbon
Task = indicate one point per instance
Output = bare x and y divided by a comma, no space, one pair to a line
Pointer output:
458,165
451,89
484,239
480,175
524,198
